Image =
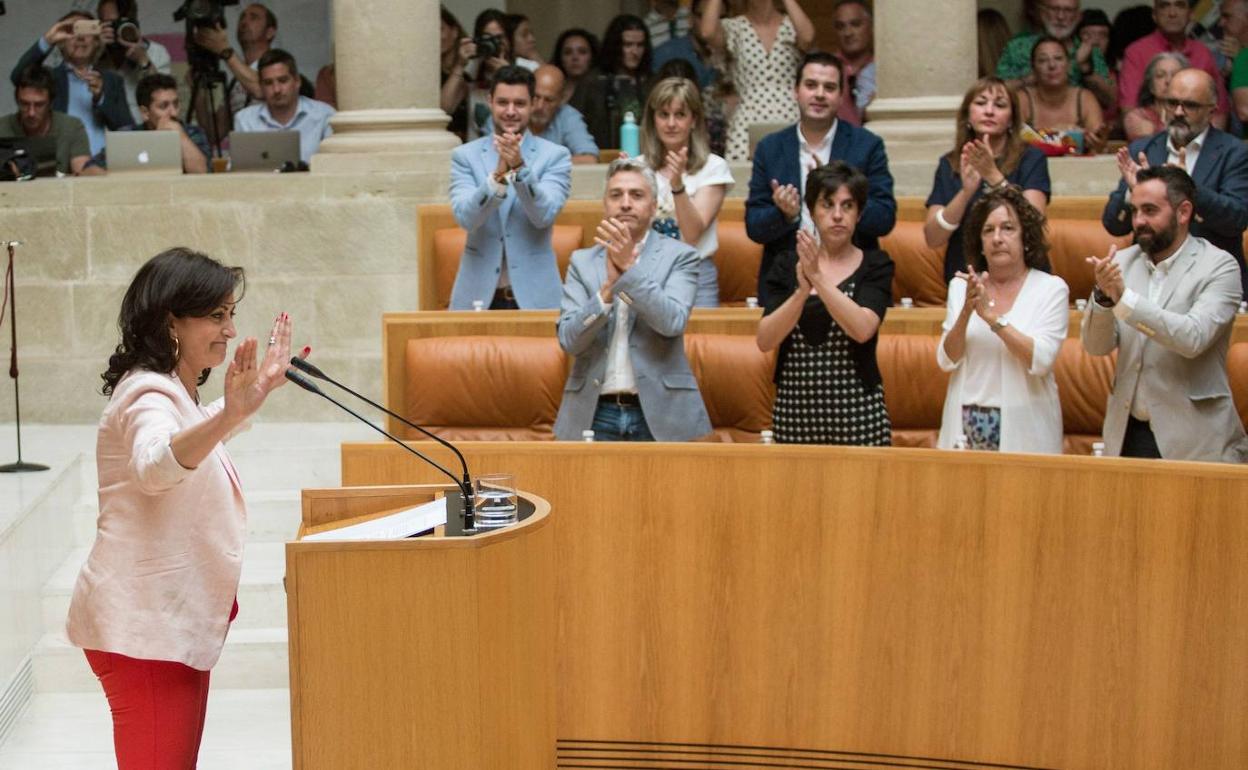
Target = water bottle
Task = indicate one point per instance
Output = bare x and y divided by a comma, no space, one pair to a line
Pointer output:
587,435
1098,448
907,302
960,442
751,302
630,136
478,305
767,437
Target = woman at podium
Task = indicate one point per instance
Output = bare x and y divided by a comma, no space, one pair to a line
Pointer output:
153,603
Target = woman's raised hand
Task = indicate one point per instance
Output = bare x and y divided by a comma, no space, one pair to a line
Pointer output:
248,384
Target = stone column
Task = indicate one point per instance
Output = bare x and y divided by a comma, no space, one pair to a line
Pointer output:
386,57
926,58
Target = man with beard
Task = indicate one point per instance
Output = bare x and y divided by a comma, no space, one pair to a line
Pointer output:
1167,304
36,91
1217,161
555,121
774,210
1087,65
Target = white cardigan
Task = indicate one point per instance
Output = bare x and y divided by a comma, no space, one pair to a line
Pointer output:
1031,414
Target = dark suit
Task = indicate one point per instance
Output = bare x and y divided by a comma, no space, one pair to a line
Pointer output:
111,109
776,157
1221,176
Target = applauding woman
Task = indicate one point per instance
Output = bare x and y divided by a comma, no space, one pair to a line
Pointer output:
989,153
692,180
824,308
154,601
1004,326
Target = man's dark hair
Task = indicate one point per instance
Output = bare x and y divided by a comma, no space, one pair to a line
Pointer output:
513,75
126,9
150,85
36,76
613,44
824,58
1179,184
823,182
277,56
676,68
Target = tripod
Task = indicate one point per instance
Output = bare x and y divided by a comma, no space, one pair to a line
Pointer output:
10,295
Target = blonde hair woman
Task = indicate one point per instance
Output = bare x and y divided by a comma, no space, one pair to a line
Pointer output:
692,180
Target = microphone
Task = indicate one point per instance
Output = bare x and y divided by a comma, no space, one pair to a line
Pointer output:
464,485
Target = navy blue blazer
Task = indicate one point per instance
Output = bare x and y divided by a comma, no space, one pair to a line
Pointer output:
112,110
776,157
1221,177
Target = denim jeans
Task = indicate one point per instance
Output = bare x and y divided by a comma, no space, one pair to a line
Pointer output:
613,422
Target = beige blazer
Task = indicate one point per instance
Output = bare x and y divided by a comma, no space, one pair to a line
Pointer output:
163,573
1172,353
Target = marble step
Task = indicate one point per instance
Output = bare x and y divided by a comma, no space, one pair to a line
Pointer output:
261,595
253,658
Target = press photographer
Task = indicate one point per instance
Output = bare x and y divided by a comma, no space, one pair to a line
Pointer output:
126,51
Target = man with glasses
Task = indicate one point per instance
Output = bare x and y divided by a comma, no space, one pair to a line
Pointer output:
1173,18
1087,65
1217,161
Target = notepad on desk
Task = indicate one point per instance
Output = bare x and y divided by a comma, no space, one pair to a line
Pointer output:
394,526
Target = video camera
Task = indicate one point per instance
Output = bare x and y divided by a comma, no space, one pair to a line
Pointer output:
200,14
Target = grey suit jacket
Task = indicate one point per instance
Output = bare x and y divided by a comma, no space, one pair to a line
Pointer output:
1172,354
660,290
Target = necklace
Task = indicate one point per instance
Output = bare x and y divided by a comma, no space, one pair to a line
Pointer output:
993,287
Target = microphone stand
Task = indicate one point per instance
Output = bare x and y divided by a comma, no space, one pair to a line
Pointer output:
10,287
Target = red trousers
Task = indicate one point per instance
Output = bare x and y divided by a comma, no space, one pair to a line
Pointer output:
158,709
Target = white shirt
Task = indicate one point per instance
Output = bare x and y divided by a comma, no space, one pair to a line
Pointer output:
714,171
619,377
808,159
1192,151
1158,273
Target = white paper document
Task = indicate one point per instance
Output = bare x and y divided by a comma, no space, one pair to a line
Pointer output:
396,526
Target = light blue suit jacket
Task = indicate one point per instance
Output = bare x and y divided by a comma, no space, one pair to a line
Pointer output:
660,290
519,222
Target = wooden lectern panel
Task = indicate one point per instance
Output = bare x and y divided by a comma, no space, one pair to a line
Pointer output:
428,652
859,606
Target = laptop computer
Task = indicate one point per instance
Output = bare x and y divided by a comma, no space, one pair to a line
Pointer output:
263,150
143,152
41,148
759,130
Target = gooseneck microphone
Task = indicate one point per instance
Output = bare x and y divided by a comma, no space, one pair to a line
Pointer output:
464,485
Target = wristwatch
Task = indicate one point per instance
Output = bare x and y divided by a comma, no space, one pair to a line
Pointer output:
1000,323
226,54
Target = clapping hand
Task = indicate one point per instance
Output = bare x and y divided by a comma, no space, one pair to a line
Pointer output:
507,145
1108,275
674,165
978,153
976,294
1128,167
971,178
615,236
247,384
807,261
787,199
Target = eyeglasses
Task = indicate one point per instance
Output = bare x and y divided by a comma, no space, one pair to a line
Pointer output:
1062,10
1186,104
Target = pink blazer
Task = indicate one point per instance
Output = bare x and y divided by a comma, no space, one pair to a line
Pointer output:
163,572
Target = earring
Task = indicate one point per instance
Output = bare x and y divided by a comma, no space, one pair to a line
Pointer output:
177,349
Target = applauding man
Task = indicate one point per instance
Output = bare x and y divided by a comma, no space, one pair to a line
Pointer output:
1167,305
625,305
506,190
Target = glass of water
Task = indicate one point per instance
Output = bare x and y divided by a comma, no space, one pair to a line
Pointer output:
495,500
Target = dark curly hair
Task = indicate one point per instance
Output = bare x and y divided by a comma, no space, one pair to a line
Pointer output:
1032,222
176,283
612,62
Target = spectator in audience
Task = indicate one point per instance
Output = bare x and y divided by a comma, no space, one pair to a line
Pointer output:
283,109
625,305
35,93
1004,325
782,161
1234,44
483,65
455,56
1167,305
576,54
855,35
1087,65
130,55
555,122
1148,117
257,26
158,105
692,181
1062,118
1172,17
685,48
667,20
326,89
621,85
96,97
522,41
1130,24
994,35
1215,159
825,303
766,47
506,190
1093,30
989,152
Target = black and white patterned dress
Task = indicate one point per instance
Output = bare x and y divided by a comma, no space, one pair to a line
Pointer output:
820,398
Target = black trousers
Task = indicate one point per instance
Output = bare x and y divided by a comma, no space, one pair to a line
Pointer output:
1139,441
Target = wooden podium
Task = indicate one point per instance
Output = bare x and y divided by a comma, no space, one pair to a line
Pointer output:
428,652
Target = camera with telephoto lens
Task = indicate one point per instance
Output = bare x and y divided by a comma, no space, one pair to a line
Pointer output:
125,31
200,14
488,46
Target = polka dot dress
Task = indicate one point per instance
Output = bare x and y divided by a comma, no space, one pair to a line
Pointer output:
764,80
821,400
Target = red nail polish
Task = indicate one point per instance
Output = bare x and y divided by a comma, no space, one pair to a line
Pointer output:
307,350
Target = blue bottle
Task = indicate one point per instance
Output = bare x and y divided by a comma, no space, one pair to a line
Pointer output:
630,136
